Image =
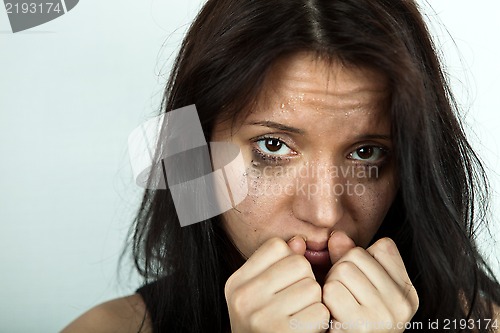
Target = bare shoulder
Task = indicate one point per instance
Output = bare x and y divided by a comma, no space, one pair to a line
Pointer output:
124,315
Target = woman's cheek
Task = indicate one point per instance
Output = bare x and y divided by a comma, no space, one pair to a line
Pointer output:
266,204
370,208
257,218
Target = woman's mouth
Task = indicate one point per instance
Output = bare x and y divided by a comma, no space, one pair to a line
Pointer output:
318,255
320,263
318,258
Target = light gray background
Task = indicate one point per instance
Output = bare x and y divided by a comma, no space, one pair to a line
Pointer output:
71,92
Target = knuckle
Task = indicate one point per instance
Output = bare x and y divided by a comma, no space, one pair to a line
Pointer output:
322,311
411,299
387,241
330,288
232,283
277,245
391,318
385,315
256,320
300,265
228,286
239,300
406,311
356,252
415,299
387,244
312,287
344,268
406,305
227,290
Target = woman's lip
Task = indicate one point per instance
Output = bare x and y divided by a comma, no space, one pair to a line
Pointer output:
319,258
317,246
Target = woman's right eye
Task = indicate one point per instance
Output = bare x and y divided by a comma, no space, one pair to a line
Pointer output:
272,150
273,147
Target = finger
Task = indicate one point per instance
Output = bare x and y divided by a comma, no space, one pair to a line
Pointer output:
372,270
271,251
386,253
338,245
310,320
298,244
282,275
388,275
297,297
339,300
358,284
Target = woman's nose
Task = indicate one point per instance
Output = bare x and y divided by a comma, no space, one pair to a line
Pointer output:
319,199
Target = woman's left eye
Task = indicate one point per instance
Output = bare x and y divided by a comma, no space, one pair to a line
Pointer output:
273,147
369,154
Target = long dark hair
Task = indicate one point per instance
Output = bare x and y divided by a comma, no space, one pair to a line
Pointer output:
221,65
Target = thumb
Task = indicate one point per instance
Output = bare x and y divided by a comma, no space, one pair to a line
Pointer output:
338,245
298,244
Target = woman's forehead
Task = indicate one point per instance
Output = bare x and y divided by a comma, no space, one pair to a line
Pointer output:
305,91
302,86
305,73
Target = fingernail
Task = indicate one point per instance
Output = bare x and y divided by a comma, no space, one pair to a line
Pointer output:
331,233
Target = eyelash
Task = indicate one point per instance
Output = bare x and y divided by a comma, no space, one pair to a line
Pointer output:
268,158
380,162
276,160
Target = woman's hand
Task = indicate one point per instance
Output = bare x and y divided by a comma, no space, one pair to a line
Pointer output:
368,290
275,291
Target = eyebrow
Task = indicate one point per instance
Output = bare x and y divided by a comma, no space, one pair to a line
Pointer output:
373,137
281,127
278,126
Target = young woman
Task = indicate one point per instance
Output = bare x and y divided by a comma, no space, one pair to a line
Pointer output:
364,193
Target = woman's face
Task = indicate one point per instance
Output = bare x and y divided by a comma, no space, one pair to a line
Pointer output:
317,148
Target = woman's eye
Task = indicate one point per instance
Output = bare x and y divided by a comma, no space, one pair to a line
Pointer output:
369,154
273,147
